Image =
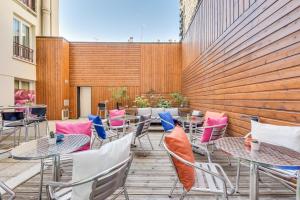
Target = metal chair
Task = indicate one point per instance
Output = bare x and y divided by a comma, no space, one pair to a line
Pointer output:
6,188
210,177
104,184
167,123
142,130
39,116
218,131
109,134
17,120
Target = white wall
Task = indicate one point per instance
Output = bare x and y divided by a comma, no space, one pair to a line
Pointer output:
6,90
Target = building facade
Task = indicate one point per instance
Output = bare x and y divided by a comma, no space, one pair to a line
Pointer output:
21,21
187,11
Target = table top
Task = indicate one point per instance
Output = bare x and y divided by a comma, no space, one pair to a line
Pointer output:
23,106
195,120
41,149
268,155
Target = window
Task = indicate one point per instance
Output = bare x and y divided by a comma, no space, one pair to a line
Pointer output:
16,31
22,40
23,92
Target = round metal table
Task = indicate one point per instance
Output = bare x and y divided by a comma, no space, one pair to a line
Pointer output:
41,149
269,155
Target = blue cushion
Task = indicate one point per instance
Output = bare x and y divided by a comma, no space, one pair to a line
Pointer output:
99,129
167,121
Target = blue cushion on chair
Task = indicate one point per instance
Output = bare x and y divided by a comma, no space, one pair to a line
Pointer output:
99,129
167,121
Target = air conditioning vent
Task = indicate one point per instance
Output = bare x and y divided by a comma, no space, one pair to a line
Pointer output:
65,114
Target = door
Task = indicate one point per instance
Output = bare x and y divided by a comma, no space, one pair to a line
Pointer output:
85,101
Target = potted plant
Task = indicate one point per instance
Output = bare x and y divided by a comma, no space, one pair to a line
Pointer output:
179,99
163,103
118,95
141,102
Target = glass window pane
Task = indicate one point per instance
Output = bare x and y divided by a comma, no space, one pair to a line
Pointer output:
25,85
25,34
17,84
16,30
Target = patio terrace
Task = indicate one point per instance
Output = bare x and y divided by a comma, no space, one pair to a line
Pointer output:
151,177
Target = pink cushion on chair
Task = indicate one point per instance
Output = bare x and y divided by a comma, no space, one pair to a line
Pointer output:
212,115
116,113
75,128
212,122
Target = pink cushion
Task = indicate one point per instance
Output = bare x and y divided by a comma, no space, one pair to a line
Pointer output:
116,113
212,122
75,128
212,115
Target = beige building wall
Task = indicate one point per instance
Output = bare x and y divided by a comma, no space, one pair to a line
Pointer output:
11,67
187,11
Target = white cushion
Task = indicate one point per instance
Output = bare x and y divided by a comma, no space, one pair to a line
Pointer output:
173,111
92,162
155,112
197,113
286,136
144,111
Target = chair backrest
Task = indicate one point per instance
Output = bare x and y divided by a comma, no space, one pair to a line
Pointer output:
218,132
114,114
40,112
144,125
167,121
98,125
12,116
107,183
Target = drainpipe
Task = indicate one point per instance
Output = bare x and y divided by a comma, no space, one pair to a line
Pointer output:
46,17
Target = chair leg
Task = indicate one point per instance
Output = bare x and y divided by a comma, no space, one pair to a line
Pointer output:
39,130
126,193
19,136
161,139
144,152
208,154
150,141
173,188
41,180
93,141
229,162
47,127
237,181
183,195
35,130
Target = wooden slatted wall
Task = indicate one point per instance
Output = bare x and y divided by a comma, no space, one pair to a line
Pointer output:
139,67
52,68
243,57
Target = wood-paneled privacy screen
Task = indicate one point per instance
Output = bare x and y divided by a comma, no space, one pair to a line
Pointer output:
243,57
238,56
105,67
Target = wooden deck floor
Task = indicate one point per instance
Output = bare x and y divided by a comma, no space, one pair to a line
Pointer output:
151,178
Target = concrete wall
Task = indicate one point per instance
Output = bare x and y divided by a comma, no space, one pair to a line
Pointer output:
187,8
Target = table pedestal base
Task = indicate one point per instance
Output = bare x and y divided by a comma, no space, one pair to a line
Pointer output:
253,182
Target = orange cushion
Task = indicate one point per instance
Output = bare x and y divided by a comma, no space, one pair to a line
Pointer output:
210,114
178,143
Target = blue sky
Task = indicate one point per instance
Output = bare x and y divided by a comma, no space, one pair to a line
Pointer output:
117,20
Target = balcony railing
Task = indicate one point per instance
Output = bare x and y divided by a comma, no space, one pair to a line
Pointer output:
23,52
29,3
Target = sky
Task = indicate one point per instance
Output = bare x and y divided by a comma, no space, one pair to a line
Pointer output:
117,20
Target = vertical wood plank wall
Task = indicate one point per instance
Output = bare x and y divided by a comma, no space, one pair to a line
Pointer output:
243,57
139,67
52,68
104,67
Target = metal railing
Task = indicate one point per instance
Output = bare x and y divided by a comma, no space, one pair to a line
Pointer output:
23,52
29,3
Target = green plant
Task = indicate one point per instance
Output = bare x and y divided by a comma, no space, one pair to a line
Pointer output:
178,98
163,103
119,94
141,102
